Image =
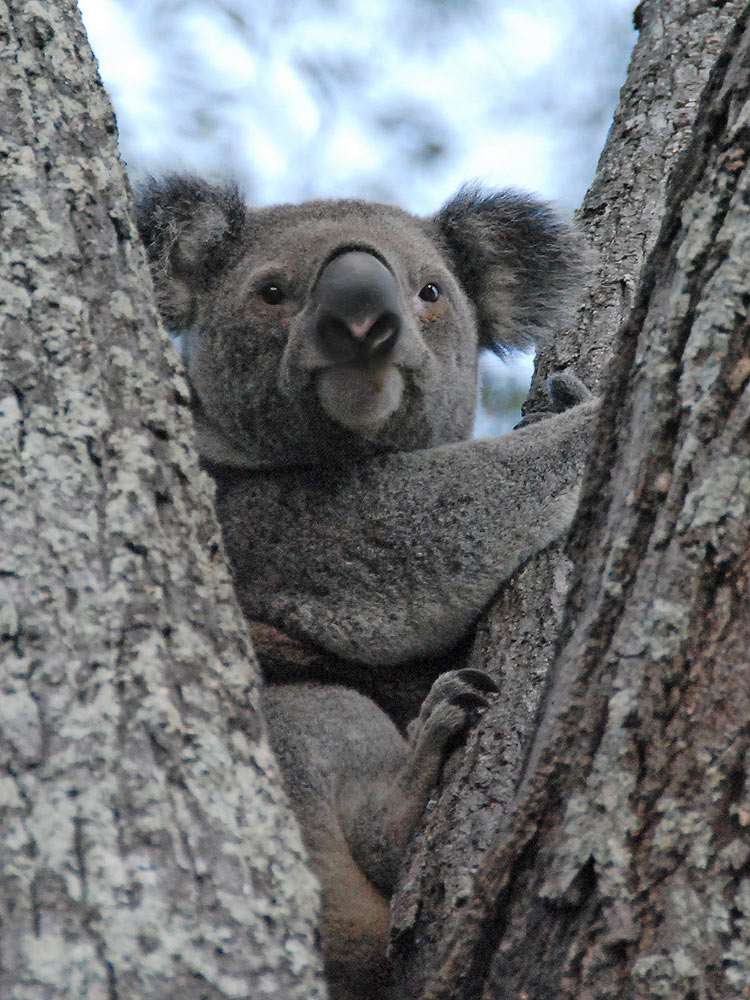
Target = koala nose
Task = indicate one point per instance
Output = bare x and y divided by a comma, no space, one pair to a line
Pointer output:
357,312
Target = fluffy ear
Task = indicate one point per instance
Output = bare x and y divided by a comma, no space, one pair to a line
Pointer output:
191,231
516,260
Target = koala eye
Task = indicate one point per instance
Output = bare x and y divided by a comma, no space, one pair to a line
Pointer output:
272,295
430,293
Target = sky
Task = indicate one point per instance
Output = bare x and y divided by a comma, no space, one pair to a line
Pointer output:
385,99
297,86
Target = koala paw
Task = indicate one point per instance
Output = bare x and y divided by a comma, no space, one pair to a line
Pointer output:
449,709
565,390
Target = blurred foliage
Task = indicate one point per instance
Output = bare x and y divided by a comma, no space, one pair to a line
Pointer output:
375,98
383,99
501,390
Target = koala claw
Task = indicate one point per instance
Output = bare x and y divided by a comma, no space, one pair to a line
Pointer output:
565,390
479,678
451,706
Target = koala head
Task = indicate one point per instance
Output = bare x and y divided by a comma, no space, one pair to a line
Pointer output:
337,329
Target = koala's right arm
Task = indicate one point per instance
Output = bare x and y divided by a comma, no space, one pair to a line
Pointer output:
395,557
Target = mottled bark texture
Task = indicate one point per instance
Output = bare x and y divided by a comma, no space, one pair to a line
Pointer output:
614,859
146,849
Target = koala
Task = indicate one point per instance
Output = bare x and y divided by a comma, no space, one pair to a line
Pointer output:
332,352
332,349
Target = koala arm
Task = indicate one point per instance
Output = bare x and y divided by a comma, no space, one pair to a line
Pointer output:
394,557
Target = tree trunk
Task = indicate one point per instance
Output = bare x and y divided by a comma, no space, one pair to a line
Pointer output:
147,849
594,840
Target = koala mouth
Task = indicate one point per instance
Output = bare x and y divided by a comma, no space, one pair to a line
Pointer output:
360,398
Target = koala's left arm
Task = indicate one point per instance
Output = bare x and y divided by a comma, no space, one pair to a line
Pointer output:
401,552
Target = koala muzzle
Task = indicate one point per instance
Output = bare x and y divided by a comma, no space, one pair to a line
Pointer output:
357,310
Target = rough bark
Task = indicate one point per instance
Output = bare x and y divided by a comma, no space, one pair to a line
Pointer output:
147,850
619,866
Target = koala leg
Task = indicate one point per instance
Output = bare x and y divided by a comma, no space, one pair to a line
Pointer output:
329,741
379,819
354,924
358,790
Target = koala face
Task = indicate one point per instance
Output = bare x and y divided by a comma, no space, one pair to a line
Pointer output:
338,329
326,318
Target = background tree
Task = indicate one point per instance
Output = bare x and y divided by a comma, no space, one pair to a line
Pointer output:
391,101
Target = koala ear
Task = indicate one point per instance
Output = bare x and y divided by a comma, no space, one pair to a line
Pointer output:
516,260
191,232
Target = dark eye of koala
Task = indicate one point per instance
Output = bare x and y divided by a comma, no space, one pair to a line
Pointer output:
272,295
430,293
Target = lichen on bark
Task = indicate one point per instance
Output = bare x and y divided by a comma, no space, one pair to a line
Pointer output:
147,847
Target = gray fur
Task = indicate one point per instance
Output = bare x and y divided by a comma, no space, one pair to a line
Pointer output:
332,352
402,551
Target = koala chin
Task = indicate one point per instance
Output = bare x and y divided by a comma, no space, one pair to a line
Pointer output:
332,351
360,398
